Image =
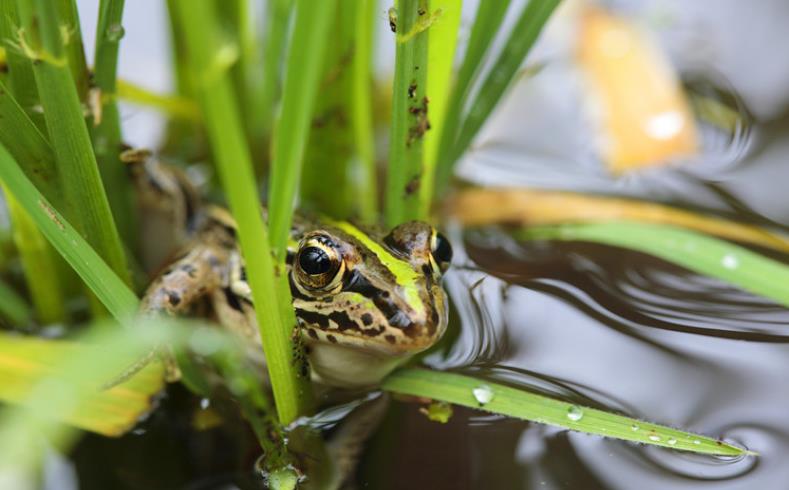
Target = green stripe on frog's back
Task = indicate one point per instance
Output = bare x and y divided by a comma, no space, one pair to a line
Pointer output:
406,277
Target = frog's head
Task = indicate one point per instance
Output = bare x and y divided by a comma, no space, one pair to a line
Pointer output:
366,303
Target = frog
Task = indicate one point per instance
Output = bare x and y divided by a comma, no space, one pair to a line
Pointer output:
366,300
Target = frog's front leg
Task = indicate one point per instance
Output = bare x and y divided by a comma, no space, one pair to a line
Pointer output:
202,270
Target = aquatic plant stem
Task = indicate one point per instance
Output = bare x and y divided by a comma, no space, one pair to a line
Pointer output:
440,58
487,23
116,296
275,37
326,184
524,34
20,69
410,111
77,168
522,37
362,110
275,313
13,307
38,261
304,62
106,127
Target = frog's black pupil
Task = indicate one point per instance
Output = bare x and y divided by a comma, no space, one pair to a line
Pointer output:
314,261
443,250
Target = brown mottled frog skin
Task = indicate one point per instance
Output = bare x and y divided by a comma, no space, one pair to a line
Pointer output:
365,301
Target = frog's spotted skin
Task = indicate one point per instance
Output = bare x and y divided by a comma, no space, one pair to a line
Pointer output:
365,301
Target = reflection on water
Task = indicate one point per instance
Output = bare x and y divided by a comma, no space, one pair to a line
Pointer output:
616,330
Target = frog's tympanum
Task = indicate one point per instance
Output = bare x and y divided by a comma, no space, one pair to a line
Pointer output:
365,301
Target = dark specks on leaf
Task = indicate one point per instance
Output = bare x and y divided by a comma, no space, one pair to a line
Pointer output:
393,19
412,185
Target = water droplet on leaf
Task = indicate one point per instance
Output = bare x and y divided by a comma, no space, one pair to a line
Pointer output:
483,394
575,413
115,33
654,437
730,261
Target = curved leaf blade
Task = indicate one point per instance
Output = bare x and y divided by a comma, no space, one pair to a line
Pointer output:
513,402
697,252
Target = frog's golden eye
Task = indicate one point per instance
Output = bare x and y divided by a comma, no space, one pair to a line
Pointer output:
441,250
318,264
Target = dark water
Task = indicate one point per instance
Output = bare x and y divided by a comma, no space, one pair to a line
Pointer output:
596,325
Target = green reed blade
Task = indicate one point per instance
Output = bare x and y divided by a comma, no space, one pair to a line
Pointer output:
695,251
106,131
486,25
326,185
270,290
19,134
13,307
410,116
366,183
275,37
523,35
38,261
302,76
20,70
105,284
22,129
71,35
518,403
77,168
239,29
440,57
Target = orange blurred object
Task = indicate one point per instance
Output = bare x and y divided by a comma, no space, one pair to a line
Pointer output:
645,118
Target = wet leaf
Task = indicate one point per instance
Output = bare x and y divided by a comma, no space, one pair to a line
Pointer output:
518,403
703,254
